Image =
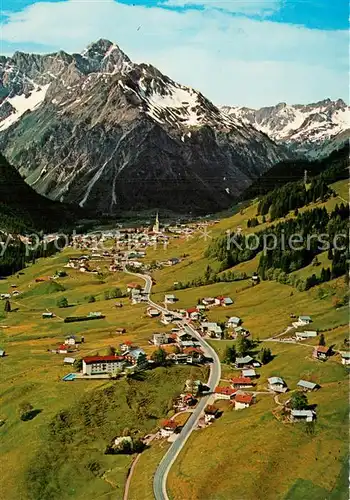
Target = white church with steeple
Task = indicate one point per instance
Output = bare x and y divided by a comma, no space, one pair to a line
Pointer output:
156,227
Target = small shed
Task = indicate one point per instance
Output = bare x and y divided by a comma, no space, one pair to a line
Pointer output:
69,361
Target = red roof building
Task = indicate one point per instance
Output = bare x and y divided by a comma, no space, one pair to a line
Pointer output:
102,359
224,392
241,382
246,399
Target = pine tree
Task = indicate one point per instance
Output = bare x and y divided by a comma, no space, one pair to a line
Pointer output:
7,307
322,340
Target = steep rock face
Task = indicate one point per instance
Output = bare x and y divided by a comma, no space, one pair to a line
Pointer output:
313,130
98,130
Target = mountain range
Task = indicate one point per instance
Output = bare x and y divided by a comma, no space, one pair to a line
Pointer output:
311,130
100,131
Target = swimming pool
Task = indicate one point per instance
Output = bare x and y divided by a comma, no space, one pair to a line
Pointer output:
69,377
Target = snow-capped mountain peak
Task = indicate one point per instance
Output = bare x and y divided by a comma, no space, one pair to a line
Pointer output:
304,128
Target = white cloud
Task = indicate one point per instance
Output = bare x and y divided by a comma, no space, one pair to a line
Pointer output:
230,59
250,7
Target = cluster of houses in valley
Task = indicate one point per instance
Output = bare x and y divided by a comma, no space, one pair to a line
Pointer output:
69,346
188,348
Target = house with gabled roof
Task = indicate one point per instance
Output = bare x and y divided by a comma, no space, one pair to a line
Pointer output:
241,382
305,385
321,352
302,415
243,401
277,384
243,361
222,392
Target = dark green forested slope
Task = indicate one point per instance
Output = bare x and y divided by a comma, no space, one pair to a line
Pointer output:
21,208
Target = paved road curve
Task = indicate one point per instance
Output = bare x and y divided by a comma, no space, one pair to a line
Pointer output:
160,478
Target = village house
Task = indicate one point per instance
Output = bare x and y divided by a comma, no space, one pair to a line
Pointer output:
243,401
304,320
305,385
192,314
242,362
194,355
309,334
48,315
167,317
302,415
233,322
160,339
241,382
127,346
277,384
321,352
179,358
133,355
226,301
153,313
73,340
69,361
168,428
345,358
249,372
95,365
170,299
224,392
213,329
208,301
201,308
133,286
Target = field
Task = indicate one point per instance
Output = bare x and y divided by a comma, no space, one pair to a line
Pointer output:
243,456
31,373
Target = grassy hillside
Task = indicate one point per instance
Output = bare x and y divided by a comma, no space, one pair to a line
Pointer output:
272,460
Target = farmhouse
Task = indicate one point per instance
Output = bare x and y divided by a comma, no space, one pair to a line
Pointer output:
243,401
168,428
208,301
250,372
302,415
153,313
305,320
243,361
241,382
321,352
305,385
234,321
133,286
48,315
224,392
93,365
69,361
72,340
169,299
277,384
306,335
345,358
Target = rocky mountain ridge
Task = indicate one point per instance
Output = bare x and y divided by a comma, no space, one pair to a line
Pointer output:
98,130
312,130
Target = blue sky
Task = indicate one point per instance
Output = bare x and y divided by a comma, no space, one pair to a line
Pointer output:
254,53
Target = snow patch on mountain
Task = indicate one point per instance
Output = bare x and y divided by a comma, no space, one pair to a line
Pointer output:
23,103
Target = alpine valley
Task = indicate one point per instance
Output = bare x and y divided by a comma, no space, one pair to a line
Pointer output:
97,130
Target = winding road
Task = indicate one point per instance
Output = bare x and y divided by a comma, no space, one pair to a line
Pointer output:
160,477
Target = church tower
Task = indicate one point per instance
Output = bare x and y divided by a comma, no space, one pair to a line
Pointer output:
156,227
